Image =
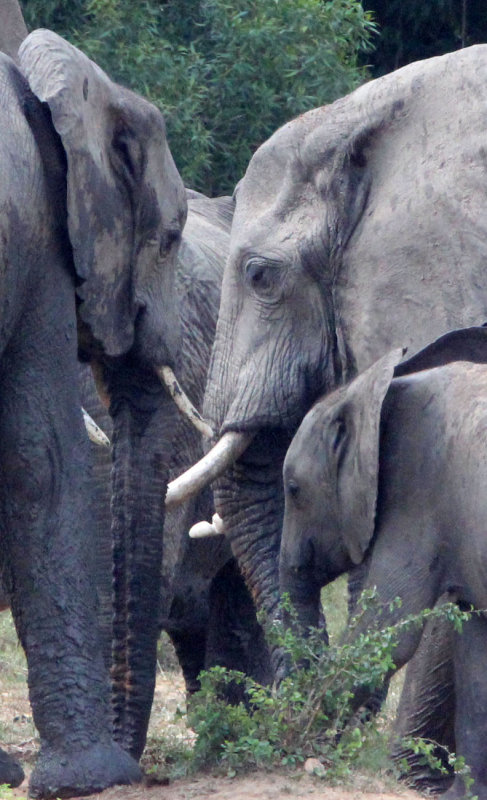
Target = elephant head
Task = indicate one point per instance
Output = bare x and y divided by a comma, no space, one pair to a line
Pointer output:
336,471
331,478
126,205
352,235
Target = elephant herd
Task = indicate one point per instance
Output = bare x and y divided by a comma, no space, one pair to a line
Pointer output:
359,229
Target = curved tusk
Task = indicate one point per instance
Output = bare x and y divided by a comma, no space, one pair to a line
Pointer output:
201,530
217,460
168,378
94,431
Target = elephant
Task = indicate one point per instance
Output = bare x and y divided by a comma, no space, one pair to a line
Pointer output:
205,606
93,213
358,227
389,471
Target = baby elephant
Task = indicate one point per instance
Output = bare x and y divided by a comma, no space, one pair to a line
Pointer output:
391,472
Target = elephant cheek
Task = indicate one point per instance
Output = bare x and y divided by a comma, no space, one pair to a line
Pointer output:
157,325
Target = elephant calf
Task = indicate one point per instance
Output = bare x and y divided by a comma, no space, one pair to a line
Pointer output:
391,472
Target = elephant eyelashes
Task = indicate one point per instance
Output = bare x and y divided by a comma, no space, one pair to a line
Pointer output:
262,278
171,238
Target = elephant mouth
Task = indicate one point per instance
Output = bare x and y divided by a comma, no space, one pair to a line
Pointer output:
252,448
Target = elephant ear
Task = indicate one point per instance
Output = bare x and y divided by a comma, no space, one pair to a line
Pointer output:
92,118
337,153
464,344
359,414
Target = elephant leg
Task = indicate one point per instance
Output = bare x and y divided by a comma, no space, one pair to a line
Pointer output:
470,656
427,708
190,646
47,551
235,638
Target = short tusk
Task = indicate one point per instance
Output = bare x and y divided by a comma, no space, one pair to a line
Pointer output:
218,523
204,529
94,431
168,378
217,460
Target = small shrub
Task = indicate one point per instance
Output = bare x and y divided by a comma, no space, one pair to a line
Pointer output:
311,713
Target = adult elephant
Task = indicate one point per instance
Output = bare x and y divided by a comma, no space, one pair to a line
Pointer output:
390,472
93,211
205,606
358,227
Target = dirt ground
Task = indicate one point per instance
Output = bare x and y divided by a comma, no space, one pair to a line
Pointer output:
15,719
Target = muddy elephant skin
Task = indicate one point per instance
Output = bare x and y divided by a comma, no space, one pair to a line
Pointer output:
93,209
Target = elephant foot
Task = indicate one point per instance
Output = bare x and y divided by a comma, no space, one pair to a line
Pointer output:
11,772
76,773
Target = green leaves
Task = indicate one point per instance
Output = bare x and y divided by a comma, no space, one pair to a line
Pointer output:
225,74
311,713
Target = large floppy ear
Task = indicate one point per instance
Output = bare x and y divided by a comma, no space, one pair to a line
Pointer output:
92,116
358,467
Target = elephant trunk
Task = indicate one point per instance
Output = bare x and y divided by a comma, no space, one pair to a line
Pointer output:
304,597
249,498
144,421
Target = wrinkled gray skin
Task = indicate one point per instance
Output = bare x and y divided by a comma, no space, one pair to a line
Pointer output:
93,209
391,472
358,227
205,606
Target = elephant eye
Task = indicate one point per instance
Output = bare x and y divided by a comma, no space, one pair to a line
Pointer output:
261,277
170,238
293,489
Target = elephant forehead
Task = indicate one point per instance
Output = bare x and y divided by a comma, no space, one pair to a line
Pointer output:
277,174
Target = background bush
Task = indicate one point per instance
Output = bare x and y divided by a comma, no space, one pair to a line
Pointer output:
226,73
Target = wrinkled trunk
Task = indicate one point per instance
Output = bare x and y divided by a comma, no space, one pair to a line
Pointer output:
250,500
304,596
144,421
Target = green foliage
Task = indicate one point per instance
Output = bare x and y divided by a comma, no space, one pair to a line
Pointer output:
6,792
225,73
427,749
312,712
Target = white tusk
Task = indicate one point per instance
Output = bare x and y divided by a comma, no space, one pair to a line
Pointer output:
217,460
204,529
218,523
94,431
168,378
